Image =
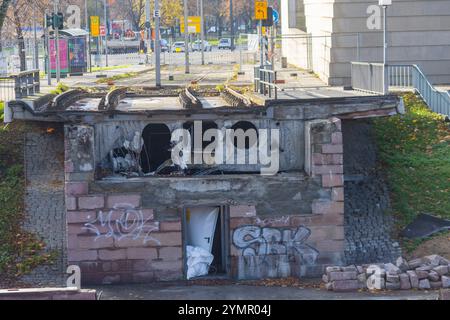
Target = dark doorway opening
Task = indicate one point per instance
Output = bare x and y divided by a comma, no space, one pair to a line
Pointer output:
156,149
208,229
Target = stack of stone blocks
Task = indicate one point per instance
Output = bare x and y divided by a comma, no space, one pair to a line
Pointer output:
430,272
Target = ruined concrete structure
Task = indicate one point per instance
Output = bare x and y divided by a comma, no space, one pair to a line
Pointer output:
127,209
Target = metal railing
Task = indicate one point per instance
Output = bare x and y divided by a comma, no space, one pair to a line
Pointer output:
368,76
19,86
410,76
266,82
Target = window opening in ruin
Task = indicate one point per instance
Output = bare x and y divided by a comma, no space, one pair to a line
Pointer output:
156,149
205,242
245,126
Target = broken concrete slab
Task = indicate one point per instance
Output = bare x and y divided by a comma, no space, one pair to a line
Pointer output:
424,226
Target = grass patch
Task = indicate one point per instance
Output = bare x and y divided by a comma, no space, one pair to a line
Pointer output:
60,88
118,77
2,111
415,151
96,69
20,251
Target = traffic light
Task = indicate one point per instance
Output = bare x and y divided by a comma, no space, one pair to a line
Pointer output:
269,21
49,20
58,21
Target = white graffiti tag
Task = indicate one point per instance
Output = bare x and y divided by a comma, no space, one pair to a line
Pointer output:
122,222
257,241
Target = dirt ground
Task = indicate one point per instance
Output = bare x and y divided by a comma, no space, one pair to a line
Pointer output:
437,245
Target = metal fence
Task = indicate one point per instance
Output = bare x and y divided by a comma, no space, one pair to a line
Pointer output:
19,86
265,80
410,76
368,76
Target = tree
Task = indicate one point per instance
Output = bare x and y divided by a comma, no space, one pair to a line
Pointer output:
4,5
19,14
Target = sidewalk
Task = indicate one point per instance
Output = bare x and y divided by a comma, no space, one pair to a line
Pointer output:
89,79
246,292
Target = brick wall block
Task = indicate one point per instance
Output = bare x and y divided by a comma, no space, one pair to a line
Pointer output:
170,253
92,242
332,148
328,169
332,180
117,254
81,217
133,200
76,188
170,226
81,255
242,211
91,202
142,253
327,207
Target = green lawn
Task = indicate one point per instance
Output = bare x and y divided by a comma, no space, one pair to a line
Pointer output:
415,150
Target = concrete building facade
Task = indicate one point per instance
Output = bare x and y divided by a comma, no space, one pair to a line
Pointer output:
326,35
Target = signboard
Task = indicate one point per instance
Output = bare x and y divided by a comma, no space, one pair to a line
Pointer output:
95,26
63,56
260,10
102,31
276,16
77,53
252,42
194,24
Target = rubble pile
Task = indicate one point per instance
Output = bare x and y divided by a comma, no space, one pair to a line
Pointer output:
430,272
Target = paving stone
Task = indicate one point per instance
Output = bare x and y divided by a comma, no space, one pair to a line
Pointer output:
392,278
402,264
350,268
424,284
392,285
433,276
424,268
405,284
333,269
339,276
445,282
413,279
421,274
345,285
433,259
441,270
415,263
392,269
435,284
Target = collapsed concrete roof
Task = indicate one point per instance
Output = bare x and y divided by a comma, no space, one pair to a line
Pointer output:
80,105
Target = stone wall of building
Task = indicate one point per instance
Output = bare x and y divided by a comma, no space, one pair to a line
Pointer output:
44,198
122,231
296,244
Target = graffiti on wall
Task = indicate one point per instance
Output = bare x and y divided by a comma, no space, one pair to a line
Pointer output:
123,222
257,241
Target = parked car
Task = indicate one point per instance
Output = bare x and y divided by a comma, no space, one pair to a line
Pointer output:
225,43
164,45
197,46
178,47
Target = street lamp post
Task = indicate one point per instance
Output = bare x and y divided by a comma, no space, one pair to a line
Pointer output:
186,38
385,4
36,48
105,4
157,45
232,25
58,64
202,31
